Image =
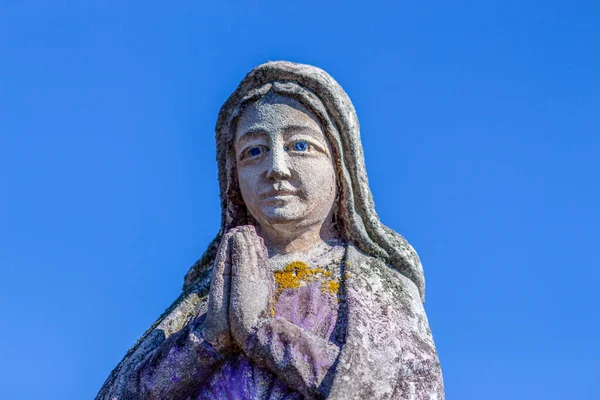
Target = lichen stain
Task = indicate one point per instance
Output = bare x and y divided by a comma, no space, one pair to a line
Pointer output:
332,287
298,273
294,274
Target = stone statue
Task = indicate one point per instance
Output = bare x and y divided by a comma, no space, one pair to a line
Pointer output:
304,293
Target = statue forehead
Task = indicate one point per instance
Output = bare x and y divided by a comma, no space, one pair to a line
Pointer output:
275,111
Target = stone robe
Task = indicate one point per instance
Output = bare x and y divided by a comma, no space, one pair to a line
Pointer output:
387,351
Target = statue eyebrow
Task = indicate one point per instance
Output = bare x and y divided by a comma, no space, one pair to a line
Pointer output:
254,133
258,133
290,130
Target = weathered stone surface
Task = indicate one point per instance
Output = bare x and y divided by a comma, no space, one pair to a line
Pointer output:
304,293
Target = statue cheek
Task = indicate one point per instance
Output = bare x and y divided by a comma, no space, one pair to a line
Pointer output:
250,174
319,179
248,183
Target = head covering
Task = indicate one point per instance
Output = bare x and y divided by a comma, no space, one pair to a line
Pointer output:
319,92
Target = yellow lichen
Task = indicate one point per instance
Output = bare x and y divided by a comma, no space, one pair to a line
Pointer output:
298,273
294,274
333,287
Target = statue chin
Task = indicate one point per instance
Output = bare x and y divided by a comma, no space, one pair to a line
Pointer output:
282,211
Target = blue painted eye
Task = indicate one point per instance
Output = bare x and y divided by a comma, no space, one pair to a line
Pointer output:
301,146
254,151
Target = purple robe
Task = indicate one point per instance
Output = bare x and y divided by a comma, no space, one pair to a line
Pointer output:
308,307
287,357
380,348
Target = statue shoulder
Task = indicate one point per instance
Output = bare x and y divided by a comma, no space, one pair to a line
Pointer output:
191,303
386,293
388,335
376,275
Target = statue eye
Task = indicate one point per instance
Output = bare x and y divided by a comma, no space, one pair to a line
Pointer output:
301,146
254,151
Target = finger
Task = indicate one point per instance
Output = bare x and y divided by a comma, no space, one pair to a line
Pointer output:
261,254
220,281
239,270
256,242
239,253
252,250
239,278
216,326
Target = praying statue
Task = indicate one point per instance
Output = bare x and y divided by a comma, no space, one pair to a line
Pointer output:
304,293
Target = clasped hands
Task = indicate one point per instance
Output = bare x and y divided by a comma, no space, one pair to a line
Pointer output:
241,292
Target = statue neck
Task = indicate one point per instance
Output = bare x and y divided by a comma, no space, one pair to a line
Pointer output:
283,240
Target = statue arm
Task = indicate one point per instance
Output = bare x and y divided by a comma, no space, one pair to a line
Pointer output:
123,381
298,358
178,366
181,363
420,372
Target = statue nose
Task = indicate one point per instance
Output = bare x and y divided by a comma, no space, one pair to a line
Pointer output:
278,165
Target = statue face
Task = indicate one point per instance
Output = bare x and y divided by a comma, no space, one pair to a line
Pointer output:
284,164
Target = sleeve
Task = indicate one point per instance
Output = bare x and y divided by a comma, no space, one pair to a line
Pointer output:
420,371
149,357
298,358
178,366
388,351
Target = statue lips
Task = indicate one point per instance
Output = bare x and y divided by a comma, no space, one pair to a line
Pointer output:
278,195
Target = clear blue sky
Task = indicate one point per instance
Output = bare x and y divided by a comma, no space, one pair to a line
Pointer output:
481,129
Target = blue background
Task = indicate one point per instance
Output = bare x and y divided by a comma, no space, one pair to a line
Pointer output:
481,130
